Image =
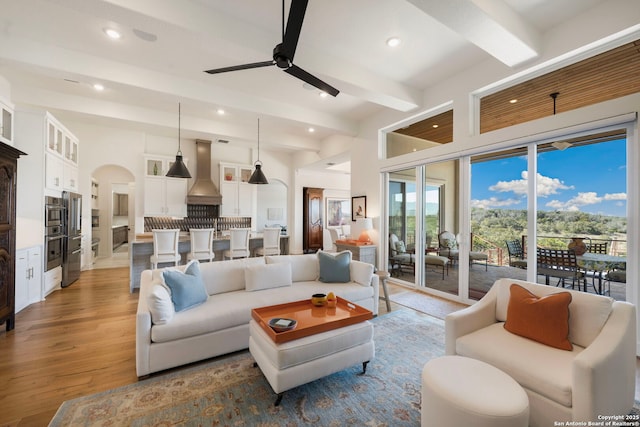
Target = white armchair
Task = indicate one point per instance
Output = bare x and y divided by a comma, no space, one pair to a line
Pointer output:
596,378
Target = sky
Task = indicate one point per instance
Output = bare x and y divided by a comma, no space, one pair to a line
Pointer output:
590,178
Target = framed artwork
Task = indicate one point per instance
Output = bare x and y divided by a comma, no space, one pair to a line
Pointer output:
338,212
358,207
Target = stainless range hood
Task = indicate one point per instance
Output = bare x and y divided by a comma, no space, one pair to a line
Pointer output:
204,191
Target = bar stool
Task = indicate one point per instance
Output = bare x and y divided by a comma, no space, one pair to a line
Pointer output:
201,244
270,242
165,247
238,244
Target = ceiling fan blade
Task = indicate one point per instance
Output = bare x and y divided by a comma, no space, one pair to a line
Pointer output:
241,67
312,80
294,26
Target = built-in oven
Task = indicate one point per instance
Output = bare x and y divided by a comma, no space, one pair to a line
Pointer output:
53,211
53,246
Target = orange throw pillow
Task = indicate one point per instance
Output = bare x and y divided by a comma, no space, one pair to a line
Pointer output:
542,319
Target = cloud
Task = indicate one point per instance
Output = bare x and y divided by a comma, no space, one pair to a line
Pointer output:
616,196
494,202
584,199
546,185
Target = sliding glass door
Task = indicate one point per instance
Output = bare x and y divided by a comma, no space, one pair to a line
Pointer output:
582,205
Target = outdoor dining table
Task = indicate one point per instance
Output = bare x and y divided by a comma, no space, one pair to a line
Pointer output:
600,263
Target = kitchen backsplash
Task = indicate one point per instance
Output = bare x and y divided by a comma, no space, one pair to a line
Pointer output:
220,224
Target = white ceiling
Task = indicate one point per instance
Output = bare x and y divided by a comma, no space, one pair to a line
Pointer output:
53,51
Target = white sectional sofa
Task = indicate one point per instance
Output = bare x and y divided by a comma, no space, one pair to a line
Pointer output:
595,379
220,325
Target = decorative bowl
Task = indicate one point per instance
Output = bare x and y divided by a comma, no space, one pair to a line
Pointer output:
319,299
280,324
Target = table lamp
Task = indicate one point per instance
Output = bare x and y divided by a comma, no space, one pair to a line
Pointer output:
364,224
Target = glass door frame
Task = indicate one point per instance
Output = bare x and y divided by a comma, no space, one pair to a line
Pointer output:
628,122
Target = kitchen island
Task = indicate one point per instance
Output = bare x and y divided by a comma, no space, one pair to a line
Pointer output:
142,248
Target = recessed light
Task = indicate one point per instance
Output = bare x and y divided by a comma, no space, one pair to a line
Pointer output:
98,87
220,112
323,94
311,130
434,125
513,101
393,42
112,34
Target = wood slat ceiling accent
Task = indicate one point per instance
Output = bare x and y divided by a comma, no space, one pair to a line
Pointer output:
603,77
424,129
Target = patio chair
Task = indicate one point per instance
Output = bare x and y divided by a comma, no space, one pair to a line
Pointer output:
598,248
398,255
516,254
562,264
448,246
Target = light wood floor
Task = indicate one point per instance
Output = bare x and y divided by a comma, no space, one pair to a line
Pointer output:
80,341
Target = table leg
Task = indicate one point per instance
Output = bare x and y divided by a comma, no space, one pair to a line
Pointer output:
383,275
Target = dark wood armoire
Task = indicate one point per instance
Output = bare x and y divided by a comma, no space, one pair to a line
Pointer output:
8,179
312,220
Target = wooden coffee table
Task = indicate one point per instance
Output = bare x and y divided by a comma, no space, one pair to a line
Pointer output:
324,341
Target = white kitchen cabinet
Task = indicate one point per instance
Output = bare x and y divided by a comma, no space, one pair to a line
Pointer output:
61,144
54,172
6,122
28,276
160,165
238,196
163,196
70,177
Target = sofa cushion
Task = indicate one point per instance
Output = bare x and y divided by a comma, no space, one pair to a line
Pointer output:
187,288
539,368
267,276
334,268
587,312
226,276
361,272
160,304
543,319
303,267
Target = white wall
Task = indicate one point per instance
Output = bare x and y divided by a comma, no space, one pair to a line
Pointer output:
459,89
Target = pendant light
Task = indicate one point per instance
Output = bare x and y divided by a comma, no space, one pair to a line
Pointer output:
178,169
257,177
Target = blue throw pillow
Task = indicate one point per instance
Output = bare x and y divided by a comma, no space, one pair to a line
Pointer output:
334,268
187,289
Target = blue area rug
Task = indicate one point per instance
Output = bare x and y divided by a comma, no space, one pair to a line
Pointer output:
230,391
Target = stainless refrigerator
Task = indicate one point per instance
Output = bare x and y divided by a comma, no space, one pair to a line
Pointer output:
71,250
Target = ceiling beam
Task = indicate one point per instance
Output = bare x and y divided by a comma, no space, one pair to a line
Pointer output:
76,64
489,24
349,77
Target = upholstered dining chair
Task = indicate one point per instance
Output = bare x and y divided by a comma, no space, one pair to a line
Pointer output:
238,244
333,232
201,244
270,242
165,247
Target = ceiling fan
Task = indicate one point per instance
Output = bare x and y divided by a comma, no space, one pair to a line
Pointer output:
283,52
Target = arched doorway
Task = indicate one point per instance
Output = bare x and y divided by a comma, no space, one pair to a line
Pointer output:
112,213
